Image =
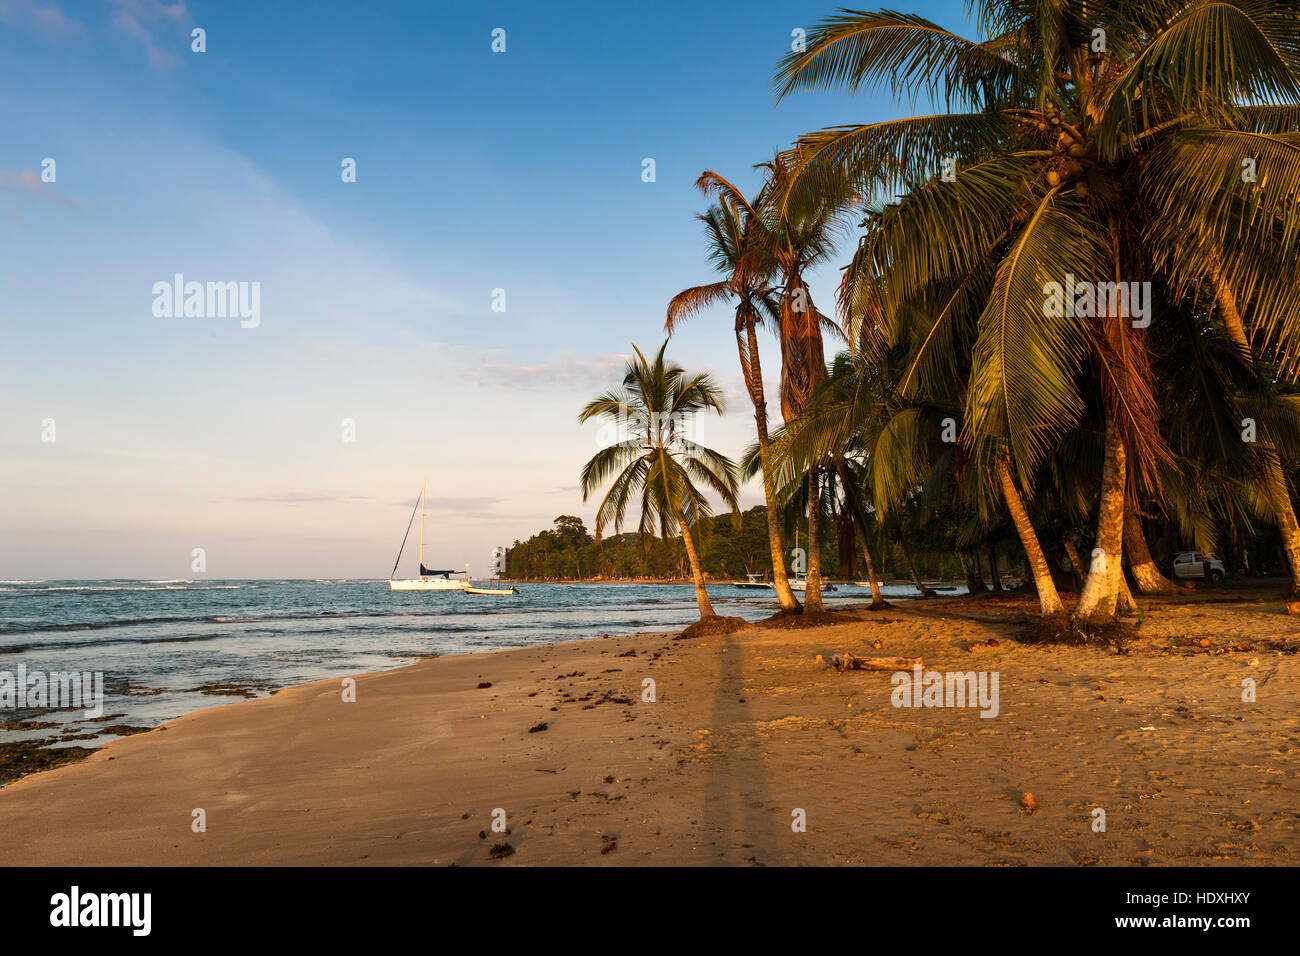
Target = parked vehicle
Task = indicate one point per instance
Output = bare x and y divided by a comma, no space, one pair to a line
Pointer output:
1191,564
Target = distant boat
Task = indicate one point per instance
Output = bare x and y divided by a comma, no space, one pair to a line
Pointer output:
437,579
802,585
756,582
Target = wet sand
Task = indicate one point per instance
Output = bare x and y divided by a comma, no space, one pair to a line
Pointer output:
746,730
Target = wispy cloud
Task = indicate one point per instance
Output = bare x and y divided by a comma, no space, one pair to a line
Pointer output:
144,20
298,498
46,18
30,180
562,369
452,504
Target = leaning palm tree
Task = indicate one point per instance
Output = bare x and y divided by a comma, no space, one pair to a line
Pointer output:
655,460
1124,141
732,227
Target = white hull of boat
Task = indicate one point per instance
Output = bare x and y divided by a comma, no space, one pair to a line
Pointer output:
803,586
429,584
494,592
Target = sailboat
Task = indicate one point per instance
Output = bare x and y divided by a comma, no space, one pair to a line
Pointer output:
801,584
436,579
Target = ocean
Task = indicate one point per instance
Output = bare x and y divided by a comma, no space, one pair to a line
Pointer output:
166,648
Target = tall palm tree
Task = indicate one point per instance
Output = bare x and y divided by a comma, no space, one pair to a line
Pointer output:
792,241
732,228
655,458
1113,157
798,239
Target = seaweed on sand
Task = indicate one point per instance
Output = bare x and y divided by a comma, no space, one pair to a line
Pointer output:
711,626
1064,629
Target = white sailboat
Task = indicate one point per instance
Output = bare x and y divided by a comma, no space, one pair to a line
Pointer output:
434,579
801,584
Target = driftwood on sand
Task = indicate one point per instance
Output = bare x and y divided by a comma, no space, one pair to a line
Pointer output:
851,662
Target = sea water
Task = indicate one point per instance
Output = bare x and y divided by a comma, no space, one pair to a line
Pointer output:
158,644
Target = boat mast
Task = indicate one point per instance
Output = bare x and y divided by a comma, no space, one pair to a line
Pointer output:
423,485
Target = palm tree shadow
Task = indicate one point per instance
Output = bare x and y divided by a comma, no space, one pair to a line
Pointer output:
737,801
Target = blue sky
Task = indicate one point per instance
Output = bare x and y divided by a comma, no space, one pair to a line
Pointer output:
475,171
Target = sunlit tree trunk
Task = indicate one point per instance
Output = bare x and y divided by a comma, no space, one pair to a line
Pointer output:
1274,481
784,594
1100,594
697,573
1049,602
1148,576
812,595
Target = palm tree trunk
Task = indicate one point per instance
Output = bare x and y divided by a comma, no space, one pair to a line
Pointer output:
697,574
1049,602
812,595
1076,563
860,519
974,574
993,568
911,567
1148,576
1124,603
784,594
1274,482
1101,591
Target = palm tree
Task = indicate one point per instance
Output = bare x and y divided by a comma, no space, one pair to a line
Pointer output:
656,460
798,239
788,242
731,227
1104,142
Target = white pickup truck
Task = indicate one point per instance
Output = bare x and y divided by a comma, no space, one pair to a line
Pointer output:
1191,564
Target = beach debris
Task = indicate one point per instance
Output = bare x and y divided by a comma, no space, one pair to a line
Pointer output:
1029,801
851,662
123,730
1293,607
239,688
537,728
483,685
877,644
24,757
501,850
611,844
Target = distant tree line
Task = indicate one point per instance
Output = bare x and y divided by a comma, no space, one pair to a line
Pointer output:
568,552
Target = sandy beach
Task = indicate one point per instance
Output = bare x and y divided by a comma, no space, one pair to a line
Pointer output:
745,730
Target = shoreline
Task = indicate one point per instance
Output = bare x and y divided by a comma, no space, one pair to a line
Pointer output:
745,729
